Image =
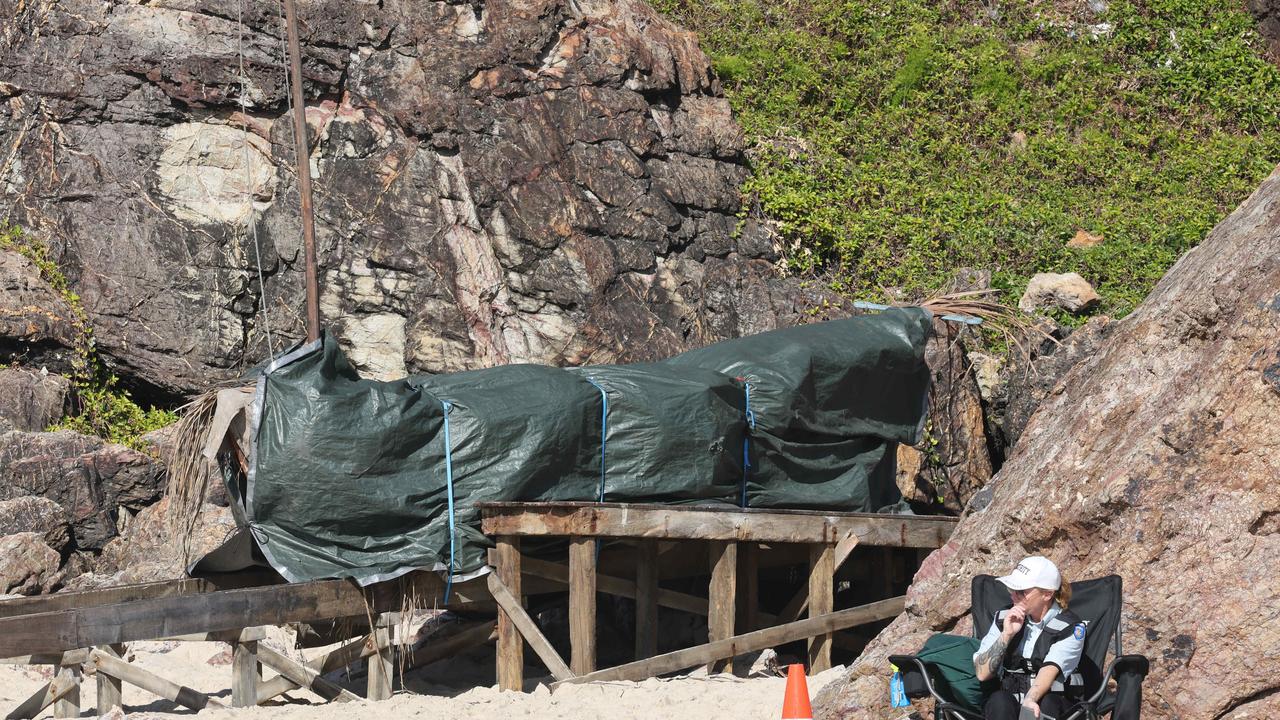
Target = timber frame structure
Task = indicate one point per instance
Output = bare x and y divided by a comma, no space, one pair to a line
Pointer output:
83,633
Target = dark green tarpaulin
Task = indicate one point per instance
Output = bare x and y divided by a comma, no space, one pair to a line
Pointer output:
366,479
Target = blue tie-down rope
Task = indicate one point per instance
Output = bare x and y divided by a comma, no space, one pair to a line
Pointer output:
448,479
746,444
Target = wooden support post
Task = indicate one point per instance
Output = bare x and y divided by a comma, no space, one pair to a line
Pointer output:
510,652
758,640
646,596
478,633
150,682
748,587
244,674
380,668
821,602
721,594
47,695
528,629
582,604
800,602
110,689
300,675
68,706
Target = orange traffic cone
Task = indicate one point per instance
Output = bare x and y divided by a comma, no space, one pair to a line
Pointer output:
795,705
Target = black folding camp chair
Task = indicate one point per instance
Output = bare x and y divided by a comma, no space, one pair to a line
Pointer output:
1099,603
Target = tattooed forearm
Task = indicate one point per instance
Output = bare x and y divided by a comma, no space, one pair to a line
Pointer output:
989,661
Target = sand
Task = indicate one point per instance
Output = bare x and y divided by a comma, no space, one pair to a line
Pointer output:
455,688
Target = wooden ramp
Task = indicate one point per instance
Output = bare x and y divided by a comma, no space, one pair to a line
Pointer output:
84,632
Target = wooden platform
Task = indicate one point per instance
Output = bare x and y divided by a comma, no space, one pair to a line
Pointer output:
83,633
735,539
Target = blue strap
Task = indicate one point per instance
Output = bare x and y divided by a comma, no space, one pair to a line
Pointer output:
448,479
604,431
746,444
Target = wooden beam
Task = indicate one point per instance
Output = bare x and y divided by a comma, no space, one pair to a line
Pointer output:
528,629
220,610
821,603
750,642
110,689
475,634
510,652
56,658
722,595
748,611
645,592
379,663
47,695
68,706
800,602
141,591
302,676
151,682
245,674
559,573
701,523
582,605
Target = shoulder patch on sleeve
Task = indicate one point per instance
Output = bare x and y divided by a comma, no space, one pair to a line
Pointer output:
1079,632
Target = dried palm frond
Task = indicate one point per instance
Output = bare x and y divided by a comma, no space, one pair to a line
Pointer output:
1011,324
188,469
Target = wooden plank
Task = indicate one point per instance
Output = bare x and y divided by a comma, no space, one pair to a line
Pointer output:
213,611
302,676
344,655
445,647
821,603
750,642
110,689
582,605
510,652
722,595
748,611
140,591
528,629
558,573
660,521
645,593
151,682
277,685
244,674
800,602
56,658
47,695
379,663
68,706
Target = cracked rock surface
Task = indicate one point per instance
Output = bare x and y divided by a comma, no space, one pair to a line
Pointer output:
551,181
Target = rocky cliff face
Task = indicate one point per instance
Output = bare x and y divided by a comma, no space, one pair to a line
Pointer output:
1155,457
523,180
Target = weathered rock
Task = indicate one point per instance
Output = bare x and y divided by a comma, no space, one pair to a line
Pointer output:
38,515
1084,239
36,324
89,478
1156,459
1268,14
1067,291
148,550
955,438
549,181
27,565
31,400
914,488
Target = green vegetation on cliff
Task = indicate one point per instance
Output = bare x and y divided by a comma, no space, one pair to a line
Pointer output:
895,141
102,408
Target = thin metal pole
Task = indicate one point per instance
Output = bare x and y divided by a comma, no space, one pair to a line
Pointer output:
303,169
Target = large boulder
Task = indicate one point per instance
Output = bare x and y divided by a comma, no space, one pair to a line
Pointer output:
1155,458
31,400
37,325
550,181
35,515
90,479
27,565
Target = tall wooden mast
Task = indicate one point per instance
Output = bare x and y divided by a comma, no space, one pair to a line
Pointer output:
303,155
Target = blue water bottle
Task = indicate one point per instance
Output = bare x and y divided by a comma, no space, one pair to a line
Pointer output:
897,693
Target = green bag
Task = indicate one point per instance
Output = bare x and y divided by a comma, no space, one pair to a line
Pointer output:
951,657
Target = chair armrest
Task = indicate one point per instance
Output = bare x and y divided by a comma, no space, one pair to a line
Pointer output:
910,665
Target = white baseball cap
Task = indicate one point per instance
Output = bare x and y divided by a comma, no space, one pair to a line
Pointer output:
1033,572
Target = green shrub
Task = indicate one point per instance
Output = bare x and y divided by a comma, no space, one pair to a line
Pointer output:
102,408
882,135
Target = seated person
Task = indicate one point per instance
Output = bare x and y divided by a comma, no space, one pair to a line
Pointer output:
1033,647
